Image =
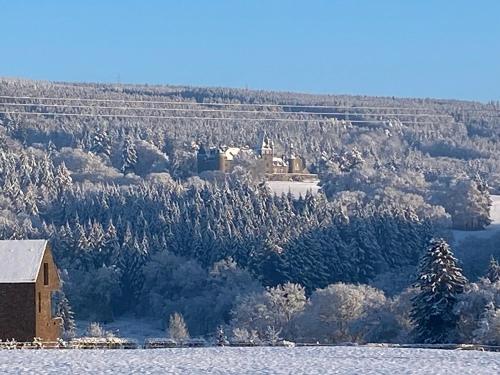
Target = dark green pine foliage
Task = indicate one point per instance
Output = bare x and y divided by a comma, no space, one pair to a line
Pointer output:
111,246
268,263
493,273
414,234
387,227
306,262
131,261
440,282
367,254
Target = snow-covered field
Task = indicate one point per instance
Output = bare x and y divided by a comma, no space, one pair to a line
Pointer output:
263,360
297,188
493,228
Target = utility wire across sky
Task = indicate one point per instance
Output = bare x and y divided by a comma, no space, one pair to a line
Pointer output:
56,114
267,113
63,107
191,103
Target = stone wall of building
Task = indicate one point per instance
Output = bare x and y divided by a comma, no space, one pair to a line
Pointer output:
17,311
47,327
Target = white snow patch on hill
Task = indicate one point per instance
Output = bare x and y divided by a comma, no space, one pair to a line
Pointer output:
297,188
317,360
493,228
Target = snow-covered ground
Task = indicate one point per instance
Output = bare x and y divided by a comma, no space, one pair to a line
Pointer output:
297,188
265,360
493,228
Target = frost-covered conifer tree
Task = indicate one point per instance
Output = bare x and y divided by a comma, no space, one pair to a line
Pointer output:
95,329
177,328
131,261
272,335
111,245
488,331
63,179
129,155
30,201
493,273
440,282
96,240
101,143
51,149
65,312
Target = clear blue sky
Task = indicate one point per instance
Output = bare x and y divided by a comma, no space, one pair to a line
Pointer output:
423,48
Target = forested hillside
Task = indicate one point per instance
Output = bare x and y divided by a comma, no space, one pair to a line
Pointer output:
108,174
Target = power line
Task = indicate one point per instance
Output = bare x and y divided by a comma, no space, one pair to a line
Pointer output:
74,106
209,103
56,114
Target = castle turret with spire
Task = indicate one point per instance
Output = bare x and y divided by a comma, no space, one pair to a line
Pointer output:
266,153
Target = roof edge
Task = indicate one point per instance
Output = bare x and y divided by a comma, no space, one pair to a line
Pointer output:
45,243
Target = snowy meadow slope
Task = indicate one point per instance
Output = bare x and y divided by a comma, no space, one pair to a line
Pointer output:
296,188
262,360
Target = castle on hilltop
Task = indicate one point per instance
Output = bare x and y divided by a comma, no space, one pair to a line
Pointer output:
287,163
216,158
222,158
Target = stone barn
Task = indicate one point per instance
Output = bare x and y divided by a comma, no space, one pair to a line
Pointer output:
28,280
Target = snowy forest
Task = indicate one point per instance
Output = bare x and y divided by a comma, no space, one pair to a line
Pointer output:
135,230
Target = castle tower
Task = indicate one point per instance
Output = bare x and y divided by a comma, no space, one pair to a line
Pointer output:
221,160
201,157
294,162
266,153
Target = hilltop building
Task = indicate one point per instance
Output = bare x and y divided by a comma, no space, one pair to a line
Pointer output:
222,158
28,279
216,158
289,163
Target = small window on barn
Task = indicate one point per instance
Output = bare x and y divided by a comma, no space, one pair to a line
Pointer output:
45,274
39,302
55,297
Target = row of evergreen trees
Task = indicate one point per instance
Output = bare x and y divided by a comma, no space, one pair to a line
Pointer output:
277,239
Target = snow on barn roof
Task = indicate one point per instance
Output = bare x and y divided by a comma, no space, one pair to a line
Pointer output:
20,260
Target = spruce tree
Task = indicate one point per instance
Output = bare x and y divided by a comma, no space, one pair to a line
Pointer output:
65,312
101,143
51,149
63,179
129,155
131,261
440,282
493,273
488,330
177,329
111,245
